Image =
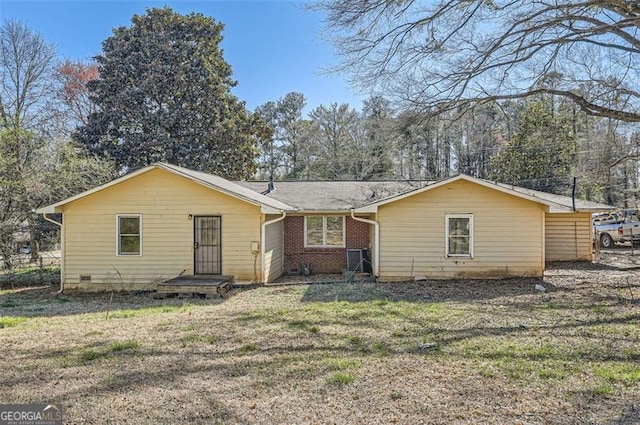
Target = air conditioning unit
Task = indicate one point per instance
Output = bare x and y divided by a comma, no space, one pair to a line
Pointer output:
358,260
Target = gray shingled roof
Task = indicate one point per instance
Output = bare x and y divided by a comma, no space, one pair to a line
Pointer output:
332,195
344,195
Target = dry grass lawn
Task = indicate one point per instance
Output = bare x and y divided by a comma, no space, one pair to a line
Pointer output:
467,352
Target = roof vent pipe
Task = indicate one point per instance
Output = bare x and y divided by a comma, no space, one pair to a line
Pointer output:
573,195
270,187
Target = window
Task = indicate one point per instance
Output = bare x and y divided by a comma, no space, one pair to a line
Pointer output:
129,234
324,231
459,239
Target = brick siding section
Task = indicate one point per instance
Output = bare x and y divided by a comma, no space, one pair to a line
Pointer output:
322,260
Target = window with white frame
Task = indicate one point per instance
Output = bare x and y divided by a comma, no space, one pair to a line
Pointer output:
129,234
459,237
324,231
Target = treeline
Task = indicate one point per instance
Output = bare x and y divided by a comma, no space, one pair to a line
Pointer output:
542,143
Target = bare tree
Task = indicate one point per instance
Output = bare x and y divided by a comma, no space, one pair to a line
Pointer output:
442,54
25,88
73,91
424,147
26,61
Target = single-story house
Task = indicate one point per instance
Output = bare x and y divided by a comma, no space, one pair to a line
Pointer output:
164,221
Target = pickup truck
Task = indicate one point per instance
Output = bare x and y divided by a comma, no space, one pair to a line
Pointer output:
607,218
608,233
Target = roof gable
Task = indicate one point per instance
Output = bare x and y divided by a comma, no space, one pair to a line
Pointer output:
267,205
230,188
555,203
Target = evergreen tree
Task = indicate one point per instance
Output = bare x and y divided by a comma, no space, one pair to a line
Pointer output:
542,151
164,94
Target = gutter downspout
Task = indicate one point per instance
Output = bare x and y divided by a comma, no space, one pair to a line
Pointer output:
263,242
50,220
376,243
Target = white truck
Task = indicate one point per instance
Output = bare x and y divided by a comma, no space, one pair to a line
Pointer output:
615,228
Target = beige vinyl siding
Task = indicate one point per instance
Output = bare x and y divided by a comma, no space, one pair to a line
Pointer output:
507,234
164,201
274,250
568,237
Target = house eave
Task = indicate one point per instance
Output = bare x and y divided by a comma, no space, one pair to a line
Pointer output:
322,212
569,210
270,210
49,209
367,209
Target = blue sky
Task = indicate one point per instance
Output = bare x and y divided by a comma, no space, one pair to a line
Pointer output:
273,46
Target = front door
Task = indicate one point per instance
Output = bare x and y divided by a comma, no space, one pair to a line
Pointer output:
207,251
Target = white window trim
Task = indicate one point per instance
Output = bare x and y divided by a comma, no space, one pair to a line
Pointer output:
324,233
118,216
446,237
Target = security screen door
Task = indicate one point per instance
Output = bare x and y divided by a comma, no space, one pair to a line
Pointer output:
207,251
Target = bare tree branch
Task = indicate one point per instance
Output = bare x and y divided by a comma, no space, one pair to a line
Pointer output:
25,65
439,52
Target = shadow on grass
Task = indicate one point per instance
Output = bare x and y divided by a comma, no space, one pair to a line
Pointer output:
580,266
44,301
159,368
631,416
202,366
212,407
604,394
29,276
459,290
